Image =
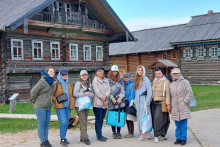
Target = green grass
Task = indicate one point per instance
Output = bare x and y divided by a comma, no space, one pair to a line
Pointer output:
207,97
20,125
28,108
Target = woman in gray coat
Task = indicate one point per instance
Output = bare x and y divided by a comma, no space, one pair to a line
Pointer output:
143,93
181,93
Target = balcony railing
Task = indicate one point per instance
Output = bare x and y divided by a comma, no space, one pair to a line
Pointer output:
71,18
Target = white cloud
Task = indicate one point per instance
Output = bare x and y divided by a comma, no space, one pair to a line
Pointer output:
146,23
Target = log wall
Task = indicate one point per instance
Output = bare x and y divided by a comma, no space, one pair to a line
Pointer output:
200,71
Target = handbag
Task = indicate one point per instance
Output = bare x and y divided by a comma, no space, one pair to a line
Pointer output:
163,104
146,121
61,98
84,103
116,118
192,103
132,110
123,104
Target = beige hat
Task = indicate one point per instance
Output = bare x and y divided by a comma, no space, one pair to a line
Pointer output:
175,70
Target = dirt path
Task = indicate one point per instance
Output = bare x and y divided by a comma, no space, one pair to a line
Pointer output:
8,139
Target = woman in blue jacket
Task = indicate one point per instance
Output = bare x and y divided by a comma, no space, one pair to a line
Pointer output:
130,95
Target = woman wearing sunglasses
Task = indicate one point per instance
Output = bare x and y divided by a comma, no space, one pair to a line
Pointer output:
63,88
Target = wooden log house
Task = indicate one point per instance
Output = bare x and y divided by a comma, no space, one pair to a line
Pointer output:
152,44
194,47
72,34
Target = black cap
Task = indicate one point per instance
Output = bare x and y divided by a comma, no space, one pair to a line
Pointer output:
99,67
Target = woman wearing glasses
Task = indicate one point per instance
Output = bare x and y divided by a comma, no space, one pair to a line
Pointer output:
63,109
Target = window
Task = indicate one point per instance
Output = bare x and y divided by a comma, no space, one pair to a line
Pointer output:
200,53
17,49
55,50
187,53
68,11
214,52
99,53
165,55
73,51
37,50
87,52
60,6
174,53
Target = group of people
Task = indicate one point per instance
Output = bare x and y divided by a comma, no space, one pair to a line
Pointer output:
107,92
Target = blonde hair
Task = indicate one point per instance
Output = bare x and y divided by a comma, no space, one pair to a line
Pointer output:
138,79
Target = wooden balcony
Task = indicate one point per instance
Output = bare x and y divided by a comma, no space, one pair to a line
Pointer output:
70,18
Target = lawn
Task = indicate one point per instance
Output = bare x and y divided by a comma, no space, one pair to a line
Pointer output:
207,97
28,108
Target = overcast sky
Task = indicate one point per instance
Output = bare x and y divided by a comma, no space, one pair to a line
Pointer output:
143,14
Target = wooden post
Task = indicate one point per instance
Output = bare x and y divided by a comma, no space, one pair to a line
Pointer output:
139,59
13,102
56,13
25,27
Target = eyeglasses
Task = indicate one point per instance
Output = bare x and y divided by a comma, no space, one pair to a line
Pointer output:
64,74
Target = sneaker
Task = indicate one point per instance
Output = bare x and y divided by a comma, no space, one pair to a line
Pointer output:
140,138
161,138
156,140
177,141
104,137
87,142
101,139
118,136
64,142
43,144
183,142
129,135
48,143
114,135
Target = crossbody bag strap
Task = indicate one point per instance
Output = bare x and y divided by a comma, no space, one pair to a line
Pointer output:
164,89
57,84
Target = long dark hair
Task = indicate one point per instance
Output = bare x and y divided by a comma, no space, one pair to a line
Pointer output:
114,78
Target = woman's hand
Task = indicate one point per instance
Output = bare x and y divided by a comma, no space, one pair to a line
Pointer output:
114,101
168,108
87,93
106,103
103,98
118,101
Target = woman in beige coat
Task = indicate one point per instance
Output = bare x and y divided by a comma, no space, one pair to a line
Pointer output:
161,91
181,93
101,89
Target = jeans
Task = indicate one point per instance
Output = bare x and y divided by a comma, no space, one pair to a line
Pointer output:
43,118
83,119
99,116
181,129
63,115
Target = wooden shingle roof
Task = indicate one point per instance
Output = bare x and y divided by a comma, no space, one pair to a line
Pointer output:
199,29
13,12
149,40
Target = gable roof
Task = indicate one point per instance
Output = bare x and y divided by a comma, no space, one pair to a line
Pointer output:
199,29
149,40
13,12
165,62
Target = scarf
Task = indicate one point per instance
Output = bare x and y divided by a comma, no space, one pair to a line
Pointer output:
162,79
47,77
